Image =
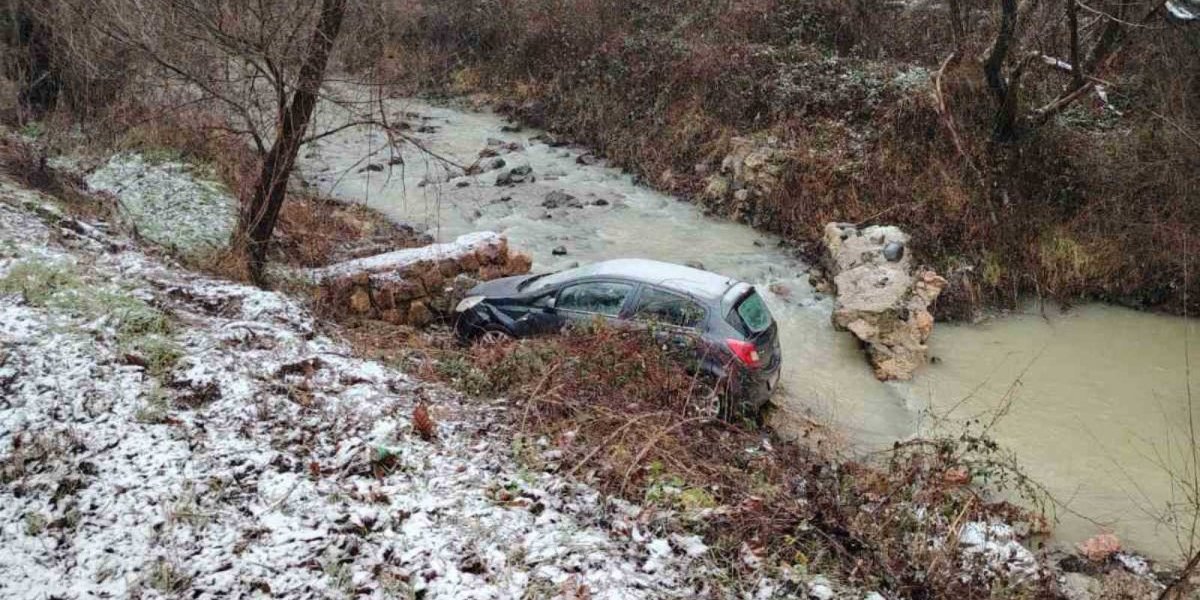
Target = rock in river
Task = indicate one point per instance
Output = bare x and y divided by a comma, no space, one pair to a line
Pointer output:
515,175
881,298
557,199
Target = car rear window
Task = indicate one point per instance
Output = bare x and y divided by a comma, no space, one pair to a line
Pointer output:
658,306
753,313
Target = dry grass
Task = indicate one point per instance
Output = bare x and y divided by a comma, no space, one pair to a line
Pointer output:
627,417
26,163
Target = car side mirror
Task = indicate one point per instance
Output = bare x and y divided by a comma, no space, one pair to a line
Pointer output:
548,303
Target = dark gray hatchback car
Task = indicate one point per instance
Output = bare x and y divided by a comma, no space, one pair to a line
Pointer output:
734,335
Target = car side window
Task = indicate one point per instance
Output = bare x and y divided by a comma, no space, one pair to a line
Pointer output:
601,297
670,309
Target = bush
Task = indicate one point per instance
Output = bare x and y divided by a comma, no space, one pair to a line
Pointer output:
621,411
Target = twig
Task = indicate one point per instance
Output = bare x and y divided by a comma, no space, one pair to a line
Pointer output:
646,449
274,505
948,118
604,445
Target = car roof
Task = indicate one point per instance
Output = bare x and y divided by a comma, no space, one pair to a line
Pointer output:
666,275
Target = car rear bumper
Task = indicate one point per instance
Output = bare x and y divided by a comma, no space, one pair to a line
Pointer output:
754,388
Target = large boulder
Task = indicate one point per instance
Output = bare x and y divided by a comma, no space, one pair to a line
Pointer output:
881,298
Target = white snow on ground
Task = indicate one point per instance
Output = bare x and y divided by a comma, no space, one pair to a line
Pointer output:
167,203
1183,10
993,549
267,461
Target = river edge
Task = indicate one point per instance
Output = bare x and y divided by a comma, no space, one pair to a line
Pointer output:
905,409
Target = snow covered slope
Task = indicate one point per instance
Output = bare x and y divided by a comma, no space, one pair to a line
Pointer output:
166,434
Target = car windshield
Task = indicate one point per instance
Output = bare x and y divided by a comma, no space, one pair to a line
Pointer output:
754,313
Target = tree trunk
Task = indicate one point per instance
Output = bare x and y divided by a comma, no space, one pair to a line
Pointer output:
1073,28
256,223
956,24
40,84
1003,91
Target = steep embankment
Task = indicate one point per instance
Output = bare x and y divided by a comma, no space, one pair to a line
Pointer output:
791,114
167,433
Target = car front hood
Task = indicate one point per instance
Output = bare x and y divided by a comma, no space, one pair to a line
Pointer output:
499,288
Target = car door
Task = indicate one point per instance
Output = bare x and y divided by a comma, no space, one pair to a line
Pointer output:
674,318
587,301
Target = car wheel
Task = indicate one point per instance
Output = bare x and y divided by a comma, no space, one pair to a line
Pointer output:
493,336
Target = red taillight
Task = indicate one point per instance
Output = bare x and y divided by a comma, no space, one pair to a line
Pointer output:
744,351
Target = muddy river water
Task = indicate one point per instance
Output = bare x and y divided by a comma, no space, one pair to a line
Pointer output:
1094,402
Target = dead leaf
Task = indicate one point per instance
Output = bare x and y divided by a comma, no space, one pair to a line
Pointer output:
423,423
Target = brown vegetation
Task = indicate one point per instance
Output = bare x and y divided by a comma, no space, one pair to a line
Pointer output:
625,415
1014,179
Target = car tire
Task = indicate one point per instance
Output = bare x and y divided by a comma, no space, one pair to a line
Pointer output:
493,335
732,409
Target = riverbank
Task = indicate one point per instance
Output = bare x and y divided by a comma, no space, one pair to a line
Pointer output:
794,115
168,433
1072,428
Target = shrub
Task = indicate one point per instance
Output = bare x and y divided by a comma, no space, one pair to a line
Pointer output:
625,414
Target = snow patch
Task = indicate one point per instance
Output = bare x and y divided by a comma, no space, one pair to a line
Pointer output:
996,546
168,202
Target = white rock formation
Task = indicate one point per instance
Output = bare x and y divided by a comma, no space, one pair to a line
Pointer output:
881,298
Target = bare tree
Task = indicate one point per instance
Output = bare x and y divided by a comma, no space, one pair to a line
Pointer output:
957,28
1005,88
260,64
1012,50
1073,42
258,216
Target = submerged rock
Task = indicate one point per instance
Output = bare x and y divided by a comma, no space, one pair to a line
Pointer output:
519,174
881,298
557,199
